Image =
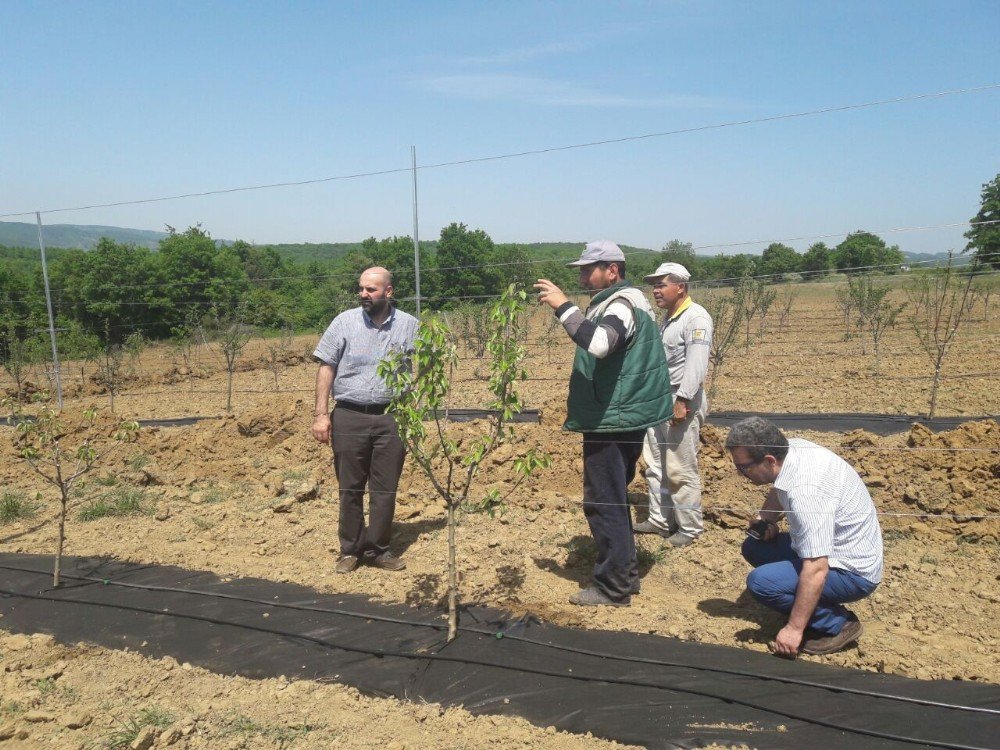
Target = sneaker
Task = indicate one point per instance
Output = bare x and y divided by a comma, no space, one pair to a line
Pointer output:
680,540
387,561
647,527
594,597
828,644
346,563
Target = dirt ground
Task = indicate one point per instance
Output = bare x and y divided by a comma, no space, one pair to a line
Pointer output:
251,494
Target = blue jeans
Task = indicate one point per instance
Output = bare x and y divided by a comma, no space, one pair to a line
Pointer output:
775,577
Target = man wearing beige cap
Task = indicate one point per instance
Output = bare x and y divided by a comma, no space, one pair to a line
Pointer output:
619,386
671,449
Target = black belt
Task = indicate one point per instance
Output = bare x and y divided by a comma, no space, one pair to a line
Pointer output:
363,408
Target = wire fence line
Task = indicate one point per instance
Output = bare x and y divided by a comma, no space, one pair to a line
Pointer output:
526,153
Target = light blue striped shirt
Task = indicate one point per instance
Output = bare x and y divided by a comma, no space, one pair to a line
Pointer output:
353,345
830,513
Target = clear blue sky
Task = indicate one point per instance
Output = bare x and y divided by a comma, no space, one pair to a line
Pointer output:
109,101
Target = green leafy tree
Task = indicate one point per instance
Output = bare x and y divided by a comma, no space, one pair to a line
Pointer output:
420,409
100,288
193,272
817,260
463,270
983,237
778,259
863,252
62,449
678,251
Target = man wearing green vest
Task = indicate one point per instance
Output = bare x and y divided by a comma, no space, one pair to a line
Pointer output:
619,386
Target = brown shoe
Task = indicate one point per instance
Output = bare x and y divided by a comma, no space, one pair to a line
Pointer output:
829,644
346,563
387,561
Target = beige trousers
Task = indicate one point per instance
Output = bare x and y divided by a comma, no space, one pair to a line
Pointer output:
671,455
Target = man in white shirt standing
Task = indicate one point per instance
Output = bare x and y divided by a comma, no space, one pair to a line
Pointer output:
670,451
832,552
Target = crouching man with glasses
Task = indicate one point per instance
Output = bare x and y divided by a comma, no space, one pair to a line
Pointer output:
832,551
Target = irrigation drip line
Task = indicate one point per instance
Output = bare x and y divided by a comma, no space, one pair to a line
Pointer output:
514,637
441,657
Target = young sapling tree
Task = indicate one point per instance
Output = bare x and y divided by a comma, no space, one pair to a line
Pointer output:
231,335
278,351
62,449
419,408
937,312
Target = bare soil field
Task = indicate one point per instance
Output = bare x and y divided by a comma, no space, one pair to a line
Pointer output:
251,494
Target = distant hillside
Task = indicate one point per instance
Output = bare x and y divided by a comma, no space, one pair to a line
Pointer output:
15,234
929,260
22,234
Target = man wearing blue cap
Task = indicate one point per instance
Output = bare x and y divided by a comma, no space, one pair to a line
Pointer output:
619,386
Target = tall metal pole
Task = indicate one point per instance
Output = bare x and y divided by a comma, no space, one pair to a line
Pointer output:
52,321
416,233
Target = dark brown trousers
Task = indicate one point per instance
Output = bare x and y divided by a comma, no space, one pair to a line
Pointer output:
366,451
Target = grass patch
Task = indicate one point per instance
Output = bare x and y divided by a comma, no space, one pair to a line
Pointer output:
11,708
108,480
202,523
137,461
244,726
49,687
128,729
122,502
295,475
648,556
15,506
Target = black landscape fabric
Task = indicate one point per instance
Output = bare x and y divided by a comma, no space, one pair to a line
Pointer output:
577,680
879,424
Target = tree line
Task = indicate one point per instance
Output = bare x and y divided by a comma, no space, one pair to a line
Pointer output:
104,295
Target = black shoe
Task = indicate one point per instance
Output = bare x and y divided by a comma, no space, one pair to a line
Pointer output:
594,597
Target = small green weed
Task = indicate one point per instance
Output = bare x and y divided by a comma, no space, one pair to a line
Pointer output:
45,686
283,735
295,475
202,523
108,480
648,556
128,729
122,502
137,461
16,505
11,708
49,687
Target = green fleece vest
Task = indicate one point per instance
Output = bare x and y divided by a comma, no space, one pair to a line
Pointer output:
627,390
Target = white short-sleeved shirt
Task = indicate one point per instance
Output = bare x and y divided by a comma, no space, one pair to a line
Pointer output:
830,513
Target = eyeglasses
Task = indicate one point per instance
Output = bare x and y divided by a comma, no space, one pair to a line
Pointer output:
743,468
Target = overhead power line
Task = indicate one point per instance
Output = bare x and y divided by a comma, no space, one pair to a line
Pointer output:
531,152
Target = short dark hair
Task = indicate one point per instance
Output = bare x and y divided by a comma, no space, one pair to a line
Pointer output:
758,437
606,263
